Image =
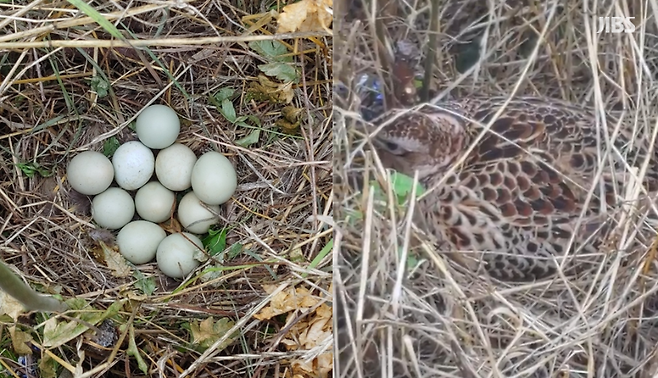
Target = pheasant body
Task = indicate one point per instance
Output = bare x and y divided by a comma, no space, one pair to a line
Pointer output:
520,202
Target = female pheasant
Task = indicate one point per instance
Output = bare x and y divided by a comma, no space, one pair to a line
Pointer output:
540,185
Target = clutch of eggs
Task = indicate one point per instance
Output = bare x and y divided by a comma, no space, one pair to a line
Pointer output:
146,185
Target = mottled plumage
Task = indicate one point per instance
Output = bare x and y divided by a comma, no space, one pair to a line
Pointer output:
519,200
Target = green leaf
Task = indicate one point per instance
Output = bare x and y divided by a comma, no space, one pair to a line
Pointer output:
134,351
223,94
241,120
110,146
76,303
377,191
254,119
228,111
57,333
323,253
27,168
213,101
100,20
402,185
412,260
32,168
281,71
234,250
250,139
100,86
271,50
145,284
215,242
48,123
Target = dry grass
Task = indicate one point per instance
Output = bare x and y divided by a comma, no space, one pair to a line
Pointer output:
49,112
437,320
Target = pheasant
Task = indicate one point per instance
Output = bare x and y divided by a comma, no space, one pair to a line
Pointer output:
519,202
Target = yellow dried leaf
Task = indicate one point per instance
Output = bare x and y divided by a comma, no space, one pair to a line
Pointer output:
10,306
115,261
289,124
313,331
269,289
286,301
287,127
307,300
267,90
324,312
320,366
19,340
292,114
206,333
135,296
171,225
48,366
315,334
305,15
308,334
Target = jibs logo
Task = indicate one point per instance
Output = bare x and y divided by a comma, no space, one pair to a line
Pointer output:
616,25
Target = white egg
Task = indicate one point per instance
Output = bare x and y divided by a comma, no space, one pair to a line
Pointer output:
90,173
154,202
176,254
138,241
193,216
213,178
157,126
133,165
173,167
113,208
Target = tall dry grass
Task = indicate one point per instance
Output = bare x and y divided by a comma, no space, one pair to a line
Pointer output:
435,320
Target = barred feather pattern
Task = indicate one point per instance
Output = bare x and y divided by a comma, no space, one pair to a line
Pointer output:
518,204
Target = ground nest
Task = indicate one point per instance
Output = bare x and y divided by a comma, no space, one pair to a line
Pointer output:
261,305
406,310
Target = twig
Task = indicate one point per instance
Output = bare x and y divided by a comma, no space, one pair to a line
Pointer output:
12,285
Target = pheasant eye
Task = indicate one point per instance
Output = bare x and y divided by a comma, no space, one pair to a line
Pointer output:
393,147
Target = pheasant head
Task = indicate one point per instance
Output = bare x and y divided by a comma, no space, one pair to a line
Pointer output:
427,142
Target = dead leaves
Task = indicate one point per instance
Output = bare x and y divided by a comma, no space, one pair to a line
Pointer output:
306,16
10,306
203,335
291,120
114,260
172,226
312,331
286,301
20,341
267,90
57,331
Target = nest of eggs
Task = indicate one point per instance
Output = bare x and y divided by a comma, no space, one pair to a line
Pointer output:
266,233
212,180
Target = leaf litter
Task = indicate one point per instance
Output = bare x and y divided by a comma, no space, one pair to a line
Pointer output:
311,332
306,15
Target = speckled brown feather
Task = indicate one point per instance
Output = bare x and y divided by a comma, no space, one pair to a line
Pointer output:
518,200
